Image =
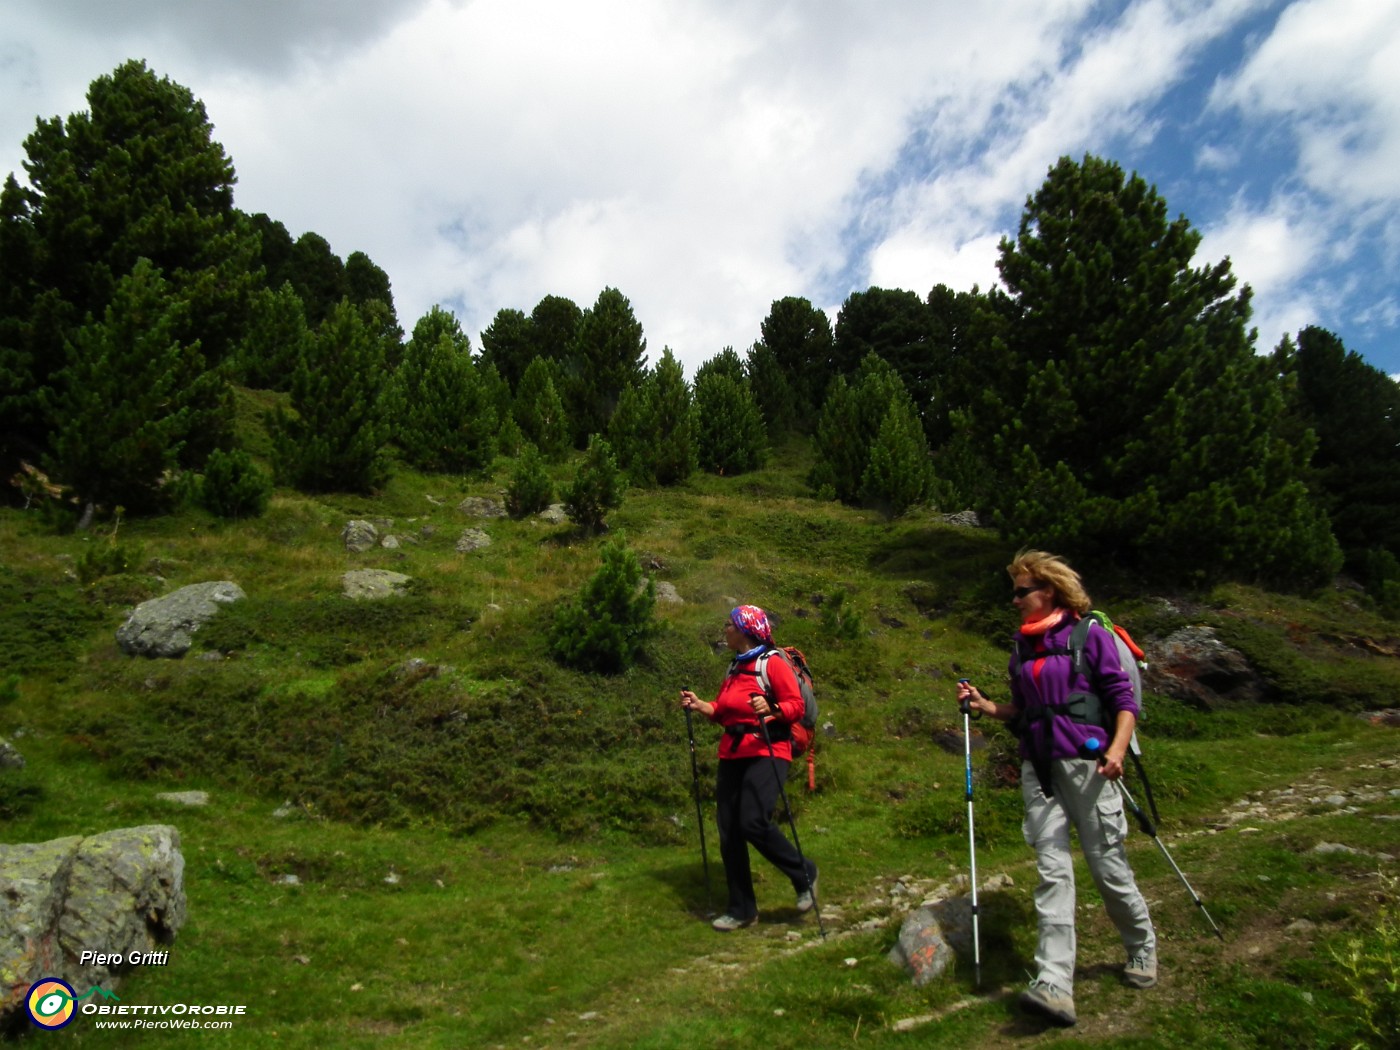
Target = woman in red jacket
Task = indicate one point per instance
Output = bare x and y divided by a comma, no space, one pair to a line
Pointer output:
750,775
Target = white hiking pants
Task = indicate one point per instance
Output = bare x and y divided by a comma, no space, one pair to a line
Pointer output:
1095,808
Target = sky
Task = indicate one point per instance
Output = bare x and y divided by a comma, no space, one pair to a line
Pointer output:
708,157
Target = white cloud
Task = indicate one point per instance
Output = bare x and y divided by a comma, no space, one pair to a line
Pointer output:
704,156
1331,71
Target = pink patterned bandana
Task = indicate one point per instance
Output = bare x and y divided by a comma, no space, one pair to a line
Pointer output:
753,621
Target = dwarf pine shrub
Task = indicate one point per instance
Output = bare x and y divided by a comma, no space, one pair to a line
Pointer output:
233,486
607,625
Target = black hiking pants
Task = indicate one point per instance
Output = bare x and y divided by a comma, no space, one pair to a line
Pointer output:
746,794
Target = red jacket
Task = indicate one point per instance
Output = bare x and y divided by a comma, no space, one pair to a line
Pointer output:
732,709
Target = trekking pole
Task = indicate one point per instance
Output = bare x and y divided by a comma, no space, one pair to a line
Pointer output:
699,813
1092,746
966,706
792,823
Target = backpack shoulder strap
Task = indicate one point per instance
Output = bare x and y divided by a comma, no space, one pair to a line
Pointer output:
1078,638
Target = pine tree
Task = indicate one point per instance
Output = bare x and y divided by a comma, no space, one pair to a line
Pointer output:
597,486
730,435
672,413
1136,421
131,397
799,337
539,410
849,426
275,342
530,490
608,352
898,474
335,439
136,176
1353,408
233,486
606,628
629,433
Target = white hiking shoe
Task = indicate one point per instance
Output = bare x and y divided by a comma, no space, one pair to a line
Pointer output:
807,896
728,923
1141,971
1049,1001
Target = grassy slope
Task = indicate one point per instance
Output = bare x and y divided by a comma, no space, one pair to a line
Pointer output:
540,878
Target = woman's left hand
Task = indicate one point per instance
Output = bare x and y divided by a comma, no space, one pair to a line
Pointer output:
759,703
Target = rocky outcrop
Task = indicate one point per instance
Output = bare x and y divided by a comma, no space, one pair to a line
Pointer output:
481,507
1194,666
472,540
374,584
359,536
120,895
162,627
10,758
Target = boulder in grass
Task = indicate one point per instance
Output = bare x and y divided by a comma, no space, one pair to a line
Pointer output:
163,627
88,910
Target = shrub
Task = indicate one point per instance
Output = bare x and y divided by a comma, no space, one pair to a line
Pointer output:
596,488
606,627
233,486
530,489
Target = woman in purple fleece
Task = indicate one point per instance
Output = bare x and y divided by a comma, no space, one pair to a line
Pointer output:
1060,787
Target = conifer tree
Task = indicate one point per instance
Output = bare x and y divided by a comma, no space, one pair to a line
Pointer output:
335,439
608,352
530,490
1353,408
508,343
629,433
132,396
440,408
597,486
607,626
1136,420
275,342
850,425
539,410
672,413
898,474
773,392
137,175
730,437
799,337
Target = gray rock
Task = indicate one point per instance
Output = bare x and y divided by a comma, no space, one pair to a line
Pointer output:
481,507
666,594
926,940
1194,666
162,627
554,514
965,518
116,893
185,798
10,758
359,536
472,540
374,584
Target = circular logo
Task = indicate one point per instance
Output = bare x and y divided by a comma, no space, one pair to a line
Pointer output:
50,1002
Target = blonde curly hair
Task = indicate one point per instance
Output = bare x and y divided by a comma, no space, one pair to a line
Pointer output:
1053,570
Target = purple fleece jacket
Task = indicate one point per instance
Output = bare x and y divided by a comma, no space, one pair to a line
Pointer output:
1104,675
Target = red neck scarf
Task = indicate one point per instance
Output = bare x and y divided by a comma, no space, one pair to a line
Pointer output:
1035,628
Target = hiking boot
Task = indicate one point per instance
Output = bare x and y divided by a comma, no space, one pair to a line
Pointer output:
1141,971
728,923
807,896
1049,1001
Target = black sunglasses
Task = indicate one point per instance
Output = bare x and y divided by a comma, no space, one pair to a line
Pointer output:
1021,592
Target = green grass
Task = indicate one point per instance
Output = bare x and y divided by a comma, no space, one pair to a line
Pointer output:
490,848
